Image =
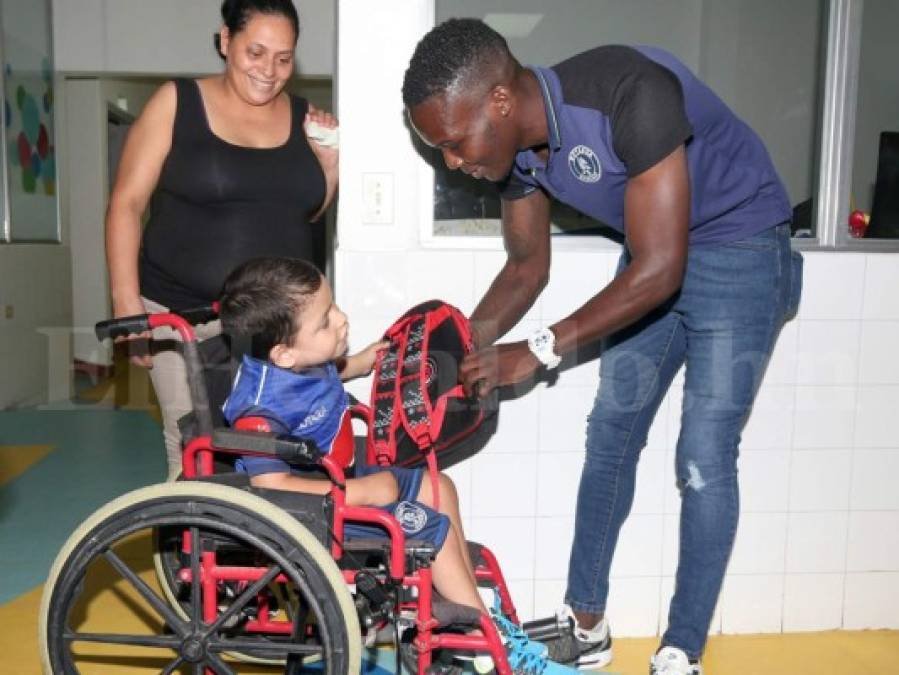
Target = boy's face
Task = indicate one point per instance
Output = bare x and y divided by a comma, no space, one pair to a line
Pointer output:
322,336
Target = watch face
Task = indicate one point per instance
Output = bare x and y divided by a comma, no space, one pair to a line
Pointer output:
541,341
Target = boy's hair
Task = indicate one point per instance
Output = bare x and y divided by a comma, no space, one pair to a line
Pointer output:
451,55
261,300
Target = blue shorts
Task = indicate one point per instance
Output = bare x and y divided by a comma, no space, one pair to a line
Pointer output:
417,520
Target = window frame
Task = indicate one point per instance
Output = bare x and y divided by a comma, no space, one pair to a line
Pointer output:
835,150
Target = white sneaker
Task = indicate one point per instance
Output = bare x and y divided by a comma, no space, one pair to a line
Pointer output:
594,646
673,661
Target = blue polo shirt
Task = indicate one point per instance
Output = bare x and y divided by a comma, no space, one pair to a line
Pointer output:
615,111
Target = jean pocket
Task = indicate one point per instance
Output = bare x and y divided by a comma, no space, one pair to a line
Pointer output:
795,294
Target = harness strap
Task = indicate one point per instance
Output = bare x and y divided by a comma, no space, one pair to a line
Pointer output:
382,430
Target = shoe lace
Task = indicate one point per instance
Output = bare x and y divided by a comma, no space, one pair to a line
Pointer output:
522,660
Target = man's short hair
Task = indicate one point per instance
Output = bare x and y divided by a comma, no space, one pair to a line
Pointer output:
449,55
261,300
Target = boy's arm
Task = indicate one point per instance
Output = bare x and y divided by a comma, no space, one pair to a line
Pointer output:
361,363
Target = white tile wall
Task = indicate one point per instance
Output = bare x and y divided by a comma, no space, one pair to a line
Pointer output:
873,541
871,600
760,545
487,265
881,281
812,602
818,543
877,421
878,362
639,551
810,469
875,480
824,417
563,417
828,352
560,474
764,480
752,603
633,606
832,286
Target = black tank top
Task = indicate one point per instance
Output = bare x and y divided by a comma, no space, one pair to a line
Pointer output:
217,205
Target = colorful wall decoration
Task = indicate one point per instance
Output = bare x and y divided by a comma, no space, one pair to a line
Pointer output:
28,127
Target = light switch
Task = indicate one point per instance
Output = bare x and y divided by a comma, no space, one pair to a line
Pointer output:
377,198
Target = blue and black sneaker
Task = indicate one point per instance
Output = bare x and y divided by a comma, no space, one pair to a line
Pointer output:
525,656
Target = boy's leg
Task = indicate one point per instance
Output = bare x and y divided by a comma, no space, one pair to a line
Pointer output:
449,506
452,573
374,489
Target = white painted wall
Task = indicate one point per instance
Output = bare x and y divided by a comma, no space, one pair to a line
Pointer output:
169,36
818,545
35,345
88,181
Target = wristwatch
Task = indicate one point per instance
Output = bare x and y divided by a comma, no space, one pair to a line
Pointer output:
541,344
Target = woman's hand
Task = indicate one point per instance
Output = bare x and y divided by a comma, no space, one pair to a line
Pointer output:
138,344
327,155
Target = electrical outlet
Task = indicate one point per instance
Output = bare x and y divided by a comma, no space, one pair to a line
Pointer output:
377,198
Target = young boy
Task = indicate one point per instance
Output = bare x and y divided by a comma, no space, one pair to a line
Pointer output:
283,308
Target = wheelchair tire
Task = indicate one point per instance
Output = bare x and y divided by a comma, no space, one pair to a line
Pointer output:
101,545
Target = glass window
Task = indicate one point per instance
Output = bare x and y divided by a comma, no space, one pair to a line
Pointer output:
762,57
875,163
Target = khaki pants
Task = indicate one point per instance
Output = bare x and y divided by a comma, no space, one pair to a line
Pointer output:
169,377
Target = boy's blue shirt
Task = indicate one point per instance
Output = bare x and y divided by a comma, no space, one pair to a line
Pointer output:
309,404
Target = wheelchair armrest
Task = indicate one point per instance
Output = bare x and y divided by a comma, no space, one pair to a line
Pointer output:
291,449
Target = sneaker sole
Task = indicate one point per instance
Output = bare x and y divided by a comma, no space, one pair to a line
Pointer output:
594,660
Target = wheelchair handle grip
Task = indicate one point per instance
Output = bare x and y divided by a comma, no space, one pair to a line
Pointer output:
122,327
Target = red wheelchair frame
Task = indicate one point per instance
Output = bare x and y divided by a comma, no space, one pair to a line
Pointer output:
198,463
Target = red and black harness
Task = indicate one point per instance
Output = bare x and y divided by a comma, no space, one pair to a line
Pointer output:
420,412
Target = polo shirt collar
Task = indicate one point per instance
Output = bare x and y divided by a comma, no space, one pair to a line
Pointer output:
552,120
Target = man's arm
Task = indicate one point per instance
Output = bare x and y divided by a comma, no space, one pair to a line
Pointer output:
523,277
656,215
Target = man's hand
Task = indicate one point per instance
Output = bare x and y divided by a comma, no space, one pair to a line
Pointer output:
497,366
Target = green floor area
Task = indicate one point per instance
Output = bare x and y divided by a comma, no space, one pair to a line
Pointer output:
92,456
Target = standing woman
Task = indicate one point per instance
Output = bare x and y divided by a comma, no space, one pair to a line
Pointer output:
232,176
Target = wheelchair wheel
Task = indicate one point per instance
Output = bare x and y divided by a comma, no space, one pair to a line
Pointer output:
107,563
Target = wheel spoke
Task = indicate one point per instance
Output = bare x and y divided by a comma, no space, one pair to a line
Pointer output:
125,639
169,669
172,619
241,601
220,666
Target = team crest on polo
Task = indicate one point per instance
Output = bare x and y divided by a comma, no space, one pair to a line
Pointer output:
584,164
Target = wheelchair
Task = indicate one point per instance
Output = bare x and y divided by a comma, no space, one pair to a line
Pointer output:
246,578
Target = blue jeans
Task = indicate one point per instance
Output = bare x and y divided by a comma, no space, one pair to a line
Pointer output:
722,324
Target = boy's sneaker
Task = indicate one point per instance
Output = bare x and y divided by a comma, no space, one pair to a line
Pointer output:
525,656
673,661
582,649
